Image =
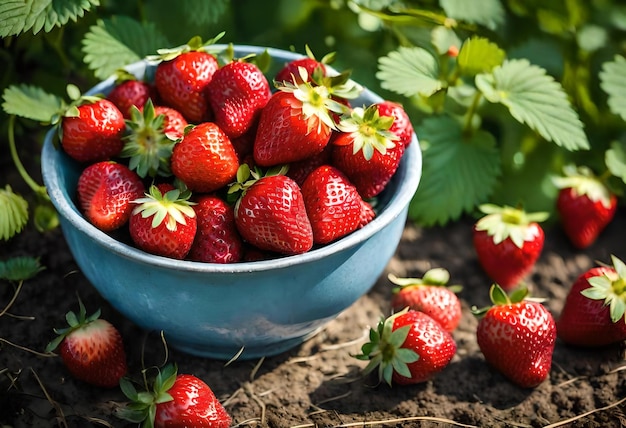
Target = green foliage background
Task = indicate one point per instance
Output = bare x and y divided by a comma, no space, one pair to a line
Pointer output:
537,84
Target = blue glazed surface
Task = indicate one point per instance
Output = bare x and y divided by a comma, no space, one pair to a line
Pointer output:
215,310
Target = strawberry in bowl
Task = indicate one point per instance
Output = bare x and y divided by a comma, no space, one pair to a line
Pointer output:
260,301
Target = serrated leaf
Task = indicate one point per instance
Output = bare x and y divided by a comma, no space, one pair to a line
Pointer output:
489,13
534,98
613,82
31,102
20,268
479,55
443,38
19,16
459,172
615,160
409,71
13,213
114,43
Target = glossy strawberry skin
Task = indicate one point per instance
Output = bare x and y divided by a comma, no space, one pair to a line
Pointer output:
402,125
105,191
290,72
131,93
587,322
95,354
237,94
174,123
438,302
217,239
205,159
181,83
271,215
505,263
283,136
367,213
430,341
583,219
333,204
300,170
194,405
369,176
518,340
95,134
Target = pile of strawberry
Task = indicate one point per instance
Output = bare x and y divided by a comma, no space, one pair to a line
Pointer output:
210,163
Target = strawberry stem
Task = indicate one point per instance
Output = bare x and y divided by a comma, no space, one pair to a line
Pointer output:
39,190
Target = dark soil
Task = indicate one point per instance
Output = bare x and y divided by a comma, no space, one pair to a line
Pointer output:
319,384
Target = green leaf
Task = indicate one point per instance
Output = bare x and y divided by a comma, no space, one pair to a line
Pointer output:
13,213
592,37
119,41
31,102
479,55
489,13
20,268
409,71
19,16
615,160
613,82
459,172
443,38
535,99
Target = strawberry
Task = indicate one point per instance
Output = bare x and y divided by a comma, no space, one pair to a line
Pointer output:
205,159
517,337
91,348
585,204
129,91
174,401
174,123
366,150
401,126
92,131
237,94
217,239
148,143
105,191
367,213
297,121
163,222
408,347
291,70
300,170
593,313
429,295
182,77
508,242
270,212
333,204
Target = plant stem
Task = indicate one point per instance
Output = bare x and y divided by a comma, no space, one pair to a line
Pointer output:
39,190
467,127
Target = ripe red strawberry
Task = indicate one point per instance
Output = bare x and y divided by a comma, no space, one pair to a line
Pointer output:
366,151
237,94
593,314
91,348
129,91
508,242
181,79
175,401
291,70
105,191
300,170
205,159
217,239
517,337
586,205
333,204
401,126
163,222
174,123
429,295
92,131
270,212
149,141
408,347
367,213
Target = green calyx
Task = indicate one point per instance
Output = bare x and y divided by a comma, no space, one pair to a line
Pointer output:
508,222
195,44
384,351
499,297
142,405
74,322
437,277
369,131
147,146
172,207
610,287
584,182
246,177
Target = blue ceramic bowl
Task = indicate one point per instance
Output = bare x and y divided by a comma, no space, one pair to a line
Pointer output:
215,310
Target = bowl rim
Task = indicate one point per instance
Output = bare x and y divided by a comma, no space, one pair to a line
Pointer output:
410,171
